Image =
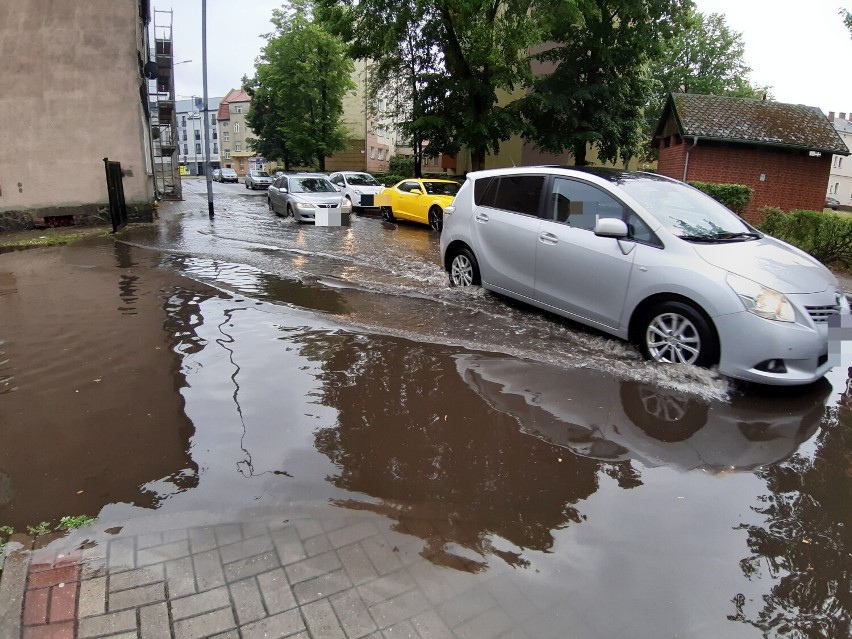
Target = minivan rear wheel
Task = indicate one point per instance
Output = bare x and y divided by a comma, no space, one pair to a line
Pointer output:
677,333
464,270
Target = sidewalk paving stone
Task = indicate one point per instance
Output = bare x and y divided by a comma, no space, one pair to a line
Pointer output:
255,579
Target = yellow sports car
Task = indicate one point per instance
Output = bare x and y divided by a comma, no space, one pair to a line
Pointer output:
417,200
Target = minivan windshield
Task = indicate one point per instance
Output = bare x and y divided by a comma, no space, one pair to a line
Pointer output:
361,179
687,212
260,173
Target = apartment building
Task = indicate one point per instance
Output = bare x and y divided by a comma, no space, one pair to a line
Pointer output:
840,178
190,128
73,92
234,134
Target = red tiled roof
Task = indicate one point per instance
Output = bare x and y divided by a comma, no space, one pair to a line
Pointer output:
234,95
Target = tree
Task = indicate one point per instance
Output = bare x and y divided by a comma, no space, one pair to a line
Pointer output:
297,91
451,58
702,55
847,19
592,83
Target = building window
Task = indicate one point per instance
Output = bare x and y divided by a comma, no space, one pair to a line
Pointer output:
213,119
238,109
836,188
184,135
226,137
839,161
197,135
215,135
183,120
242,166
215,149
372,153
227,154
186,149
238,146
236,127
224,124
197,148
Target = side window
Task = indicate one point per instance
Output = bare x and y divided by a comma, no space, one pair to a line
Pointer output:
407,186
517,193
639,231
479,189
582,205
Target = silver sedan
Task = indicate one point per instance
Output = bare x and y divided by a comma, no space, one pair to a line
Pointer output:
301,195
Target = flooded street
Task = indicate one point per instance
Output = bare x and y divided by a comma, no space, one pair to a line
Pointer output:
251,368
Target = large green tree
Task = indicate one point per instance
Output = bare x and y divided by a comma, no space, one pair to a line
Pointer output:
297,90
591,81
702,55
451,58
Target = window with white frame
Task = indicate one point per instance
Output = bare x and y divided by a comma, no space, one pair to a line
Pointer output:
227,154
226,137
372,153
238,146
238,108
236,127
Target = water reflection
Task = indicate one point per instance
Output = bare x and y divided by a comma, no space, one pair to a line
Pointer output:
599,416
805,545
497,463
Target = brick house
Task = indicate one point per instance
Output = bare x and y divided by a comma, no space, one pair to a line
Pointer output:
782,151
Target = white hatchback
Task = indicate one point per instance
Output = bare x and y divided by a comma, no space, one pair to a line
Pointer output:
359,188
648,259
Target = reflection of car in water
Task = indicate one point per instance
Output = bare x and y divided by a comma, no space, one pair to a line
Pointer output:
602,417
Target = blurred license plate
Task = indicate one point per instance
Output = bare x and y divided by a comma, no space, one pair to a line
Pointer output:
367,200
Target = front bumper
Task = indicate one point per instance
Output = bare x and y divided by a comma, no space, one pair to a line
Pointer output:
748,342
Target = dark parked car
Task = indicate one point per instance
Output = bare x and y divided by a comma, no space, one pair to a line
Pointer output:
831,203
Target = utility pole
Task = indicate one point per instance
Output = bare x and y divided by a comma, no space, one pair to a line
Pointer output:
207,172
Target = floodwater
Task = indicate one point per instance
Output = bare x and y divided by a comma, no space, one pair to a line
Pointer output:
251,365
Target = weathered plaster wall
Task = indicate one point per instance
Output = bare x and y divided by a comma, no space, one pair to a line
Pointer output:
70,96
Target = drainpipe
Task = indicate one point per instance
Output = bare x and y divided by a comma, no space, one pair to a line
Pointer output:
686,164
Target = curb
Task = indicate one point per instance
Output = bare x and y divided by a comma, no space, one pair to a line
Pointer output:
13,582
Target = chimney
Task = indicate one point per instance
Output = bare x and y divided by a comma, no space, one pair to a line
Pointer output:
842,115
831,116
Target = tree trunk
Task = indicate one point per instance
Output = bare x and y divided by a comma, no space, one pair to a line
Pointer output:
477,159
580,154
417,147
321,161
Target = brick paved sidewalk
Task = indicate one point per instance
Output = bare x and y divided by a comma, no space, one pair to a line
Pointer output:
310,578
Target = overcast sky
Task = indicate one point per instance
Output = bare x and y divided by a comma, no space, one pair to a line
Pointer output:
800,49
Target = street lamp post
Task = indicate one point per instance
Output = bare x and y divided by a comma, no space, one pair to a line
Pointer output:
207,173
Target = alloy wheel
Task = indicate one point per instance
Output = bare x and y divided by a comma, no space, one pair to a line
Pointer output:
674,339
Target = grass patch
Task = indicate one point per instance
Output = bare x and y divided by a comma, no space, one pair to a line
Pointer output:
48,237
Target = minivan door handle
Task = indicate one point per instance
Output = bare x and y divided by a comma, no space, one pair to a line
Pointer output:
548,238
480,217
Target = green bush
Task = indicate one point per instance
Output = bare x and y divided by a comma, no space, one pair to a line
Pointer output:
401,165
389,179
825,235
735,196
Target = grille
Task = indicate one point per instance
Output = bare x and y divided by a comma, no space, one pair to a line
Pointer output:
820,314
327,206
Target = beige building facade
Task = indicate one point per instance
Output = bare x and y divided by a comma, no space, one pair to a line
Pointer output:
234,133
72,93
372,140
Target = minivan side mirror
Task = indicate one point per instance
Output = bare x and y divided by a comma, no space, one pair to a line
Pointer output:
611,227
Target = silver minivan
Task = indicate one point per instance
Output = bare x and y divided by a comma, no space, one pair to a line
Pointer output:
648,259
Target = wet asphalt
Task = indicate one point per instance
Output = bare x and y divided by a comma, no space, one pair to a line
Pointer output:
249,365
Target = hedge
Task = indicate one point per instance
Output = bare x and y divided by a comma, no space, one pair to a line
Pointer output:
825,235
735,196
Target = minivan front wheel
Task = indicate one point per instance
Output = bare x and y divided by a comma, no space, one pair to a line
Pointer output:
676,333
464,270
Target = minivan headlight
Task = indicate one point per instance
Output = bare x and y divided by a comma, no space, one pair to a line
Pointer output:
305,205
762,301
